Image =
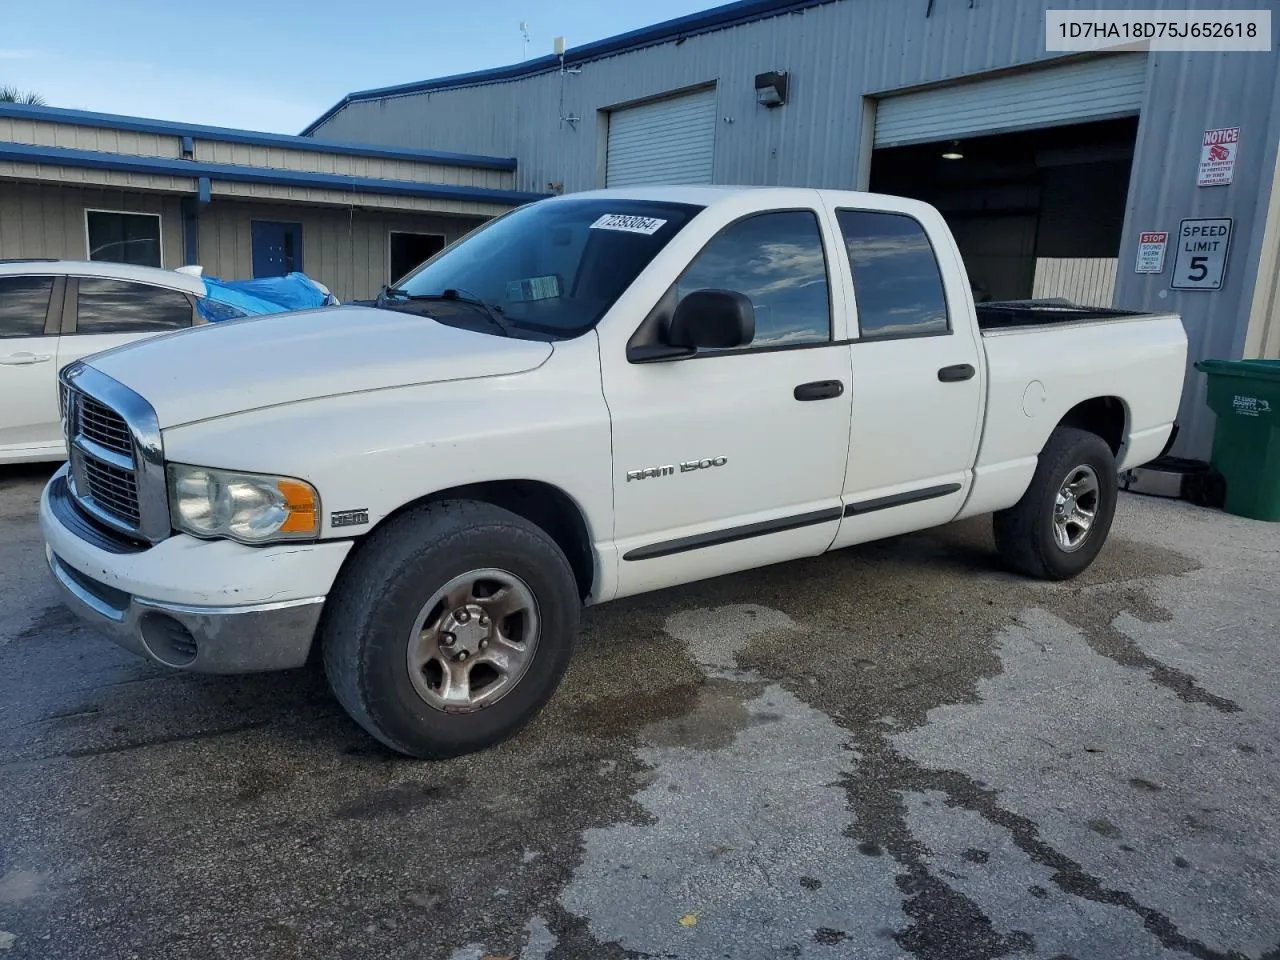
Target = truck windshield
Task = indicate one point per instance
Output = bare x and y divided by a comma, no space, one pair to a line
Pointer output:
548,270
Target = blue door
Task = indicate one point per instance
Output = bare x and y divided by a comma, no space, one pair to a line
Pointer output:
277,248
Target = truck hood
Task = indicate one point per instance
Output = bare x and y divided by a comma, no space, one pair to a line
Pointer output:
241,365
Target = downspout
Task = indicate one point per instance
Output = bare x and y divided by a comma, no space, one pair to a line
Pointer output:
191,207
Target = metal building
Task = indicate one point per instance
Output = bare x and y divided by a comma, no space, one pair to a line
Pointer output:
1049,168
91,186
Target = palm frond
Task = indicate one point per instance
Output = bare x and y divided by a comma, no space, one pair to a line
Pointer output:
14,95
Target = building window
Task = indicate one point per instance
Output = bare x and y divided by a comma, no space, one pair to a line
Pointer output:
777,261
409,250
124,237
118,306
897,283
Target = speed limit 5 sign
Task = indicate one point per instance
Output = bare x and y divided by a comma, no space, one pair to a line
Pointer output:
1202,254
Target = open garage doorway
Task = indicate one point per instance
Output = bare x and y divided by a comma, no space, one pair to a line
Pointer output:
1036,213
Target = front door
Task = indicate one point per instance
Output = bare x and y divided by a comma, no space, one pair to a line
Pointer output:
277,248
918,377
29,421
735,458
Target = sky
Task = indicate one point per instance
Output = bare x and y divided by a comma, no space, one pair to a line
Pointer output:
276,65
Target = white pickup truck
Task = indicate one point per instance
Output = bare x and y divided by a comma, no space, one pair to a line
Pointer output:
589,397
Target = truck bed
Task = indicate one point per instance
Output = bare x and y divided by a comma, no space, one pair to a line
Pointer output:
1008,314
1037,371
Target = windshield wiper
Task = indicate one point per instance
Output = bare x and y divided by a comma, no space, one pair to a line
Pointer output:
452,295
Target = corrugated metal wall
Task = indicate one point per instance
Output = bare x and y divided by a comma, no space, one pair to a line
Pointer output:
48,221
1086,280
278,192
78,137
347,250
840,53
252,155
109,140
1186,95
56,173
836,54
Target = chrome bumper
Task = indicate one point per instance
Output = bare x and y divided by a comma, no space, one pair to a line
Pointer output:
245,639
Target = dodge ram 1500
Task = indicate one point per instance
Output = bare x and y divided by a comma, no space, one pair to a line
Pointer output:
588,397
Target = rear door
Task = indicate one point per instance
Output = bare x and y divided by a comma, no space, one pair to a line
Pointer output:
110,313
29,420
918,377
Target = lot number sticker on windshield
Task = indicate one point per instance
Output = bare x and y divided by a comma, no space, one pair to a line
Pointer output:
629,224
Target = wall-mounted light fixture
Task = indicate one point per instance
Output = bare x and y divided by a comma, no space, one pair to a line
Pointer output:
771,88
953,151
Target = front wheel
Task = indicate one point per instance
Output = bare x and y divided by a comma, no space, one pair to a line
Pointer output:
1061,523
450,628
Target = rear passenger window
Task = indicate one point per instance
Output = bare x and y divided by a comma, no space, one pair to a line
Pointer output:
776,260
118,306
24,301
896,280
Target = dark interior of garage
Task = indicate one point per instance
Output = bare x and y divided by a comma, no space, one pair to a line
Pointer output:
1049,195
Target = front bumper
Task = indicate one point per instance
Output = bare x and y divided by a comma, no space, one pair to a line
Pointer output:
204,606
250,639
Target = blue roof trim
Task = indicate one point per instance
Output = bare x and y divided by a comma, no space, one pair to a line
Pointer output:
706,21
93,159
113,121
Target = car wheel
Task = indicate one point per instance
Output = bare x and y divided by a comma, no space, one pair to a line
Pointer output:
450,628
1061,523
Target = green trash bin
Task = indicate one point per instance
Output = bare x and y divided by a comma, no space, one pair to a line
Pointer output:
1245,395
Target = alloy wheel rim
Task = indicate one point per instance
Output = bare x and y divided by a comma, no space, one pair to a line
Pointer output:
1075,508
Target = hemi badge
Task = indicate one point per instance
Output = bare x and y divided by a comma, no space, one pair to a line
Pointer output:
349,518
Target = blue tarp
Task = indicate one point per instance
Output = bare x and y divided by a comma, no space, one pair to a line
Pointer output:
294,291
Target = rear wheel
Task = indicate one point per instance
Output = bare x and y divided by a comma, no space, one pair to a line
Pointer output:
451,628
1061,523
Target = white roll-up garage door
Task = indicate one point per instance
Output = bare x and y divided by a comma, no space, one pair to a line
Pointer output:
667,141
1111,86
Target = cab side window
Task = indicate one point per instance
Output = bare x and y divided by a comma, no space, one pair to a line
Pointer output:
896,280
777,261
24,301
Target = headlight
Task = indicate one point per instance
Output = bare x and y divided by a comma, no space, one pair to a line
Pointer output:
249,507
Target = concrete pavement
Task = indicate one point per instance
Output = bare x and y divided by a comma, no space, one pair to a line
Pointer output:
894,751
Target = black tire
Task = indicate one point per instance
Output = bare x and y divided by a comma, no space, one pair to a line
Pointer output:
1025,532
372,609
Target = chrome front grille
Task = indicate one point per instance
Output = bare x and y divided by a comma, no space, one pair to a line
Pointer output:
113,489
117,464
103,425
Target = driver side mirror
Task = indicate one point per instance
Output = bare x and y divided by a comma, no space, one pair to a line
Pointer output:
705,319
712,319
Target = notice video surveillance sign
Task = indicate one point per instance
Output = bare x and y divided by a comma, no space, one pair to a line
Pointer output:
1218,152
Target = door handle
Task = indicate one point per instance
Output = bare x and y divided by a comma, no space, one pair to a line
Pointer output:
819,390
956,372
20,359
